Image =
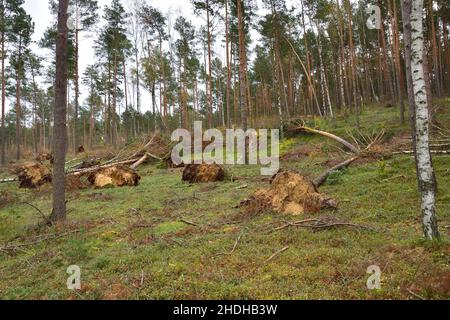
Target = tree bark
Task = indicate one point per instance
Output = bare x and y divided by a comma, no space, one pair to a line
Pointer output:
414,38
76,138
227,45
3,131
18,107
59,129
242,65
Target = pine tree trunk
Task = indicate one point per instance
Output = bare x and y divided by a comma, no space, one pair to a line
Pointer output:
76,125
3,131
434,48
18,107
59,129
210,94
242,65
400,80
227,46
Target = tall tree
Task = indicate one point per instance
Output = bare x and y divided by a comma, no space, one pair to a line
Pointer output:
155,24
59,129
113,42
412,12
22,28
84,14
208,6
242,65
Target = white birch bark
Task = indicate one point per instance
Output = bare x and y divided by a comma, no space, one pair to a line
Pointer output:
423,157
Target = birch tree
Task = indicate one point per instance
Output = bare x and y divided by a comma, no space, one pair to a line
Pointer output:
412,11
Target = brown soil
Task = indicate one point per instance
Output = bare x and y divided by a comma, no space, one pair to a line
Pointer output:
197,173
290,193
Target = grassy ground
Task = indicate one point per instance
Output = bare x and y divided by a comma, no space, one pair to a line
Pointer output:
131,243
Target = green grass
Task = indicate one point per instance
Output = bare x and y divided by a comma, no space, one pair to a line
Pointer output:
131,243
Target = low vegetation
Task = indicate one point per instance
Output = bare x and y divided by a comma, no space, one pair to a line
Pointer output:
168,239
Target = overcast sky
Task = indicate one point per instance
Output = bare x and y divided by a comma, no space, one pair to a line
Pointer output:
39,11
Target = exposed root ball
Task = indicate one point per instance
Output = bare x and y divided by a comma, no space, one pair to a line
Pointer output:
195,173
290,193
75,182
117,176
32,175
42,157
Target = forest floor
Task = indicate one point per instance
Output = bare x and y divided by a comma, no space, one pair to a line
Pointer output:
165,239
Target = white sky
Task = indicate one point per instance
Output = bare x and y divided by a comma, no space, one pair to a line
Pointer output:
39,11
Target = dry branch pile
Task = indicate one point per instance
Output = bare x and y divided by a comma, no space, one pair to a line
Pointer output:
289,193
197,173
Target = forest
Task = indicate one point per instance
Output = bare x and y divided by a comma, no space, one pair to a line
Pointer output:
356,95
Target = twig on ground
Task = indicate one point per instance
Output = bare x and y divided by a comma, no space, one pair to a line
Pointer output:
189,222
48,222
275,254
415,295
232,250
322,224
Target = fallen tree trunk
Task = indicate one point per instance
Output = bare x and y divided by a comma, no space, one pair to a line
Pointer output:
93,169
323,177
331,136
9,180
435,152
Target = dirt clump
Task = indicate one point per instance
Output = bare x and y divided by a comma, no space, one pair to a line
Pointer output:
199,173
115,176
289,193
32,175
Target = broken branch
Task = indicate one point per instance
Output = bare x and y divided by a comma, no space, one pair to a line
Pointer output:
275,254
331,136
323,177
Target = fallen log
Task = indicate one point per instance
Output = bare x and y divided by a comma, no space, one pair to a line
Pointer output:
144,158
435,152
331,136
139,162
103,166
9,180
323,177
